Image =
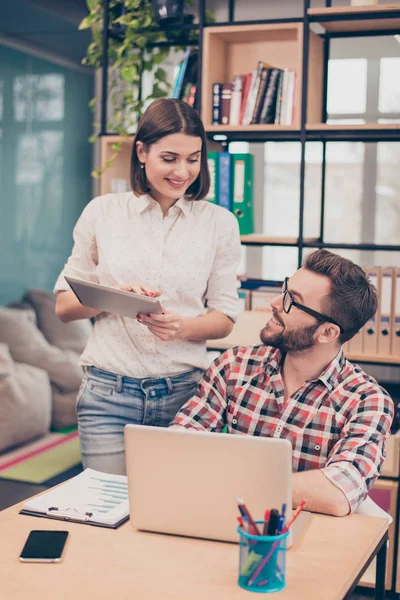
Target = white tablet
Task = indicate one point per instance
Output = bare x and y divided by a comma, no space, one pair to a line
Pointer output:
112,300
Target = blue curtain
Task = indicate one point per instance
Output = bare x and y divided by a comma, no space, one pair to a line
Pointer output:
45,164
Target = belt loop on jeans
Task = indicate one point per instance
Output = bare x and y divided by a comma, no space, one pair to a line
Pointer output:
169,383
118,386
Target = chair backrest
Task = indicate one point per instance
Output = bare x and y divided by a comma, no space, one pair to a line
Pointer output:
371,509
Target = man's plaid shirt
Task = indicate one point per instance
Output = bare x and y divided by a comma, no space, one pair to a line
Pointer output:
337,423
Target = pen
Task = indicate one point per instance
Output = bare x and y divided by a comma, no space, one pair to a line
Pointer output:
273,522
274,546
245,512
294,517
281,522
266,521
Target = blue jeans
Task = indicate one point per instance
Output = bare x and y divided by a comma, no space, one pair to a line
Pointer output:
107,402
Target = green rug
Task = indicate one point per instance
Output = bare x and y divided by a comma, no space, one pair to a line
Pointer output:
42,459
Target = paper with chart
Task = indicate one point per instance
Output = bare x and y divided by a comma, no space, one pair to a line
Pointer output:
91,496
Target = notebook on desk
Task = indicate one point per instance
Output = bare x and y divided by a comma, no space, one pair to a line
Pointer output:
186,482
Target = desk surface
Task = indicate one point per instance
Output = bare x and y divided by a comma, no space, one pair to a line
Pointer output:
246,332
125,564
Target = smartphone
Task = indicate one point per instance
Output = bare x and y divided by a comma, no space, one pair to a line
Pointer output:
44,546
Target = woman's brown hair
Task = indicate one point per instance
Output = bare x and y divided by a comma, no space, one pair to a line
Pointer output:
163,117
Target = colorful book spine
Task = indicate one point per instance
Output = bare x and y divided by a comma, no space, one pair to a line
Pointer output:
242,197
216,103
224,179
226,97
269,107
237,86
260,95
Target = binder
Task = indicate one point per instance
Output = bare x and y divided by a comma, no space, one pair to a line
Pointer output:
355,345
224,180
370,329
242,196
395,328
261,298
384,323
212,161
90,498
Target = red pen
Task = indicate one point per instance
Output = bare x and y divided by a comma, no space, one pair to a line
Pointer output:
244,510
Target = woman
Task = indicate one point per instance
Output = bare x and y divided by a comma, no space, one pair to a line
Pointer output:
161,240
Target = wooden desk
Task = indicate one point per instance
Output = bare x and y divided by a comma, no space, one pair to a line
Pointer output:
329,556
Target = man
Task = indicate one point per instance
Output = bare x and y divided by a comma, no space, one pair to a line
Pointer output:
298,385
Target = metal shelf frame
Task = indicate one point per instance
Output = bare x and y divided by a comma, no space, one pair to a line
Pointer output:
302,135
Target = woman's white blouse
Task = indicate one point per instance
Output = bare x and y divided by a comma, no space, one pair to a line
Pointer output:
191,255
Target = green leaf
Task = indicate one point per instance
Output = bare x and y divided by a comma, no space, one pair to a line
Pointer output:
86,23
158,92
92,104
129,73
161,75
92,4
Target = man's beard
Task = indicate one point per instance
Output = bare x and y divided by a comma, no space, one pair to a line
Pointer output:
291,341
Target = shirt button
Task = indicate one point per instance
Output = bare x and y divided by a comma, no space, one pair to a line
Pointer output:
279,428
317,447
234,421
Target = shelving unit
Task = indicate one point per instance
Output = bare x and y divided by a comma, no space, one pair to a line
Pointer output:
235,47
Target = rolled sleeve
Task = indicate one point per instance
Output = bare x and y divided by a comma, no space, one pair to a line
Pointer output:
355,461
83,261
221,291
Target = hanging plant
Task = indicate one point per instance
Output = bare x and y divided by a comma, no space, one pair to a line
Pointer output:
134,32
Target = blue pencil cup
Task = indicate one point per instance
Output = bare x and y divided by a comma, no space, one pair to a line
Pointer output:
262,561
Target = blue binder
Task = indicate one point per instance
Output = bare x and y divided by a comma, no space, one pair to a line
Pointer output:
225,180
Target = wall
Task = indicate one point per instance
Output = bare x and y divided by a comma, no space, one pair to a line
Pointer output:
45,164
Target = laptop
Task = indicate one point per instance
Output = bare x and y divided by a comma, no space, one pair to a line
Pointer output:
185,482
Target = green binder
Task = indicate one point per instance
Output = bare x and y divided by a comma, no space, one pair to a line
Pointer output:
212,160
242,204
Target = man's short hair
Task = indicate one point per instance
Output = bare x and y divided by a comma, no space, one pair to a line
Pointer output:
353,299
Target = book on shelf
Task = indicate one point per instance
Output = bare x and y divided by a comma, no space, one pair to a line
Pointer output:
236,99
266,95
226,96
245,94
260,95
268,110
176,93
216,103
186,78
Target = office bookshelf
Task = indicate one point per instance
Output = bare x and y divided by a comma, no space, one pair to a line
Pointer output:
232,47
